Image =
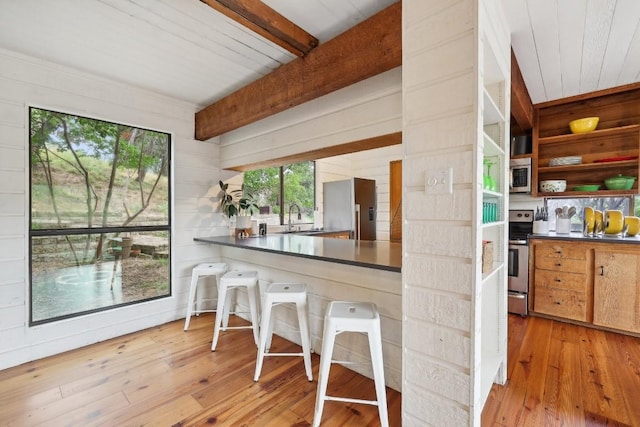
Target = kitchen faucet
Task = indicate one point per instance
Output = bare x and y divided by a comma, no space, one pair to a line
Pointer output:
299,213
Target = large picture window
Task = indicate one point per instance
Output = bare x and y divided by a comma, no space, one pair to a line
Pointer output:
286,192
100,215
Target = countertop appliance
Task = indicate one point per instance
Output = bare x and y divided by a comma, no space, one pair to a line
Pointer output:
351,205
520,175
520,226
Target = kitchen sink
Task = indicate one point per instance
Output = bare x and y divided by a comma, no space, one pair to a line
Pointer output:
302,232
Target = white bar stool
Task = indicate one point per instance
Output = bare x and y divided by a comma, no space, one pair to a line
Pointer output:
343,316
276,294
201,270
231,281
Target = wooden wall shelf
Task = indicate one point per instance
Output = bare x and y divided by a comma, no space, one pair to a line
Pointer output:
617,135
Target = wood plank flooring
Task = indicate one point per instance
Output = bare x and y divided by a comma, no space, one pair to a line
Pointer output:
164,376
561,374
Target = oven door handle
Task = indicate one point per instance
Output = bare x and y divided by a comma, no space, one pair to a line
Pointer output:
518,242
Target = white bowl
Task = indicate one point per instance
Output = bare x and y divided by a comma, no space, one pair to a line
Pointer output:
553,186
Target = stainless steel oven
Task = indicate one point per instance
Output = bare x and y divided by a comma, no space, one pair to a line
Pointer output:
520,226
520,175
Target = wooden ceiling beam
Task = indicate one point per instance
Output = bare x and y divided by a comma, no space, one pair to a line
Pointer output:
370,48
321,153
263,20
521,106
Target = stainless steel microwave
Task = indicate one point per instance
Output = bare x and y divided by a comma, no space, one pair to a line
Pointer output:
520,175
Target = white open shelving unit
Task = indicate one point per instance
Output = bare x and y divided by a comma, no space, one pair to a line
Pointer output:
491,285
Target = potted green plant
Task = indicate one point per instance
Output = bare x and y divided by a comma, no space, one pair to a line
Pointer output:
238,203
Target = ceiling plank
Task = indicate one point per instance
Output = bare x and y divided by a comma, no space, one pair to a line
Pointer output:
335,150
521,106
365,50
263,20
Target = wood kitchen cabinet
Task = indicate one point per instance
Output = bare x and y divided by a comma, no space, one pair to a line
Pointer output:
336,235
617,289
612,149
562,275
593,282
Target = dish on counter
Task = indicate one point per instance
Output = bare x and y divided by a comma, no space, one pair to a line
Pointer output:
632,225
589,220
586,187
613,222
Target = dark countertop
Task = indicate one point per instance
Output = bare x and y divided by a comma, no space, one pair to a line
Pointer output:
381,255
579,237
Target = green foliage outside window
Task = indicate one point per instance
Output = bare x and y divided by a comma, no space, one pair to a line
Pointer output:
298,182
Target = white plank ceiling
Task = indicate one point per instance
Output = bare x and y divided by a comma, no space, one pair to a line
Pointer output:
186,50
569,47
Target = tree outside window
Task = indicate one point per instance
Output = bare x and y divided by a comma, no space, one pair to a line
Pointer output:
279,188
100,215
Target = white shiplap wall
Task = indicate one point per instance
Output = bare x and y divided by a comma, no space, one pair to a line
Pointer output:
441,288
439,85
26,81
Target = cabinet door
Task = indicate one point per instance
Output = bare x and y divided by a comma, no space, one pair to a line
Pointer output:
616,290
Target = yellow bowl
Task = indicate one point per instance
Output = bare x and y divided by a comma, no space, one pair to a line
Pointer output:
584,125
613,222
632,223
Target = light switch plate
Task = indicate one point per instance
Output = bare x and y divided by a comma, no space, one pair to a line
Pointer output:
439,181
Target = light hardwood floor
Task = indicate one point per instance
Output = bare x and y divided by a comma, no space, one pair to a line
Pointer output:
164,376
561,374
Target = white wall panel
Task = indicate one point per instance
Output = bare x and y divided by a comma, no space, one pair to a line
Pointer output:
12,295
13,271
440,98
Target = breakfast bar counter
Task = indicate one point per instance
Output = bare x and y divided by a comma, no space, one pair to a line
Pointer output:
333,269
381,255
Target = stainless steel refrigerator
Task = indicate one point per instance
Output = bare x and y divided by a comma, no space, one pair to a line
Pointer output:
351,205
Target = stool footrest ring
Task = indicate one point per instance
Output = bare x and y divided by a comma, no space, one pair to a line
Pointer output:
284,354
347,362
349,400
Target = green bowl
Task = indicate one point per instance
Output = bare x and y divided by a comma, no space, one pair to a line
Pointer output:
587,187
619,182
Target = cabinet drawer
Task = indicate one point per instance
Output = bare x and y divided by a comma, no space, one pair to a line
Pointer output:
561,264
561,303
560,251
560,280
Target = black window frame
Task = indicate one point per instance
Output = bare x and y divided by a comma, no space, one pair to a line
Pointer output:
99,230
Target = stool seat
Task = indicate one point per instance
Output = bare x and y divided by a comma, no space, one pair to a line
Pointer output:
232,280
201,270
346,316
282,293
